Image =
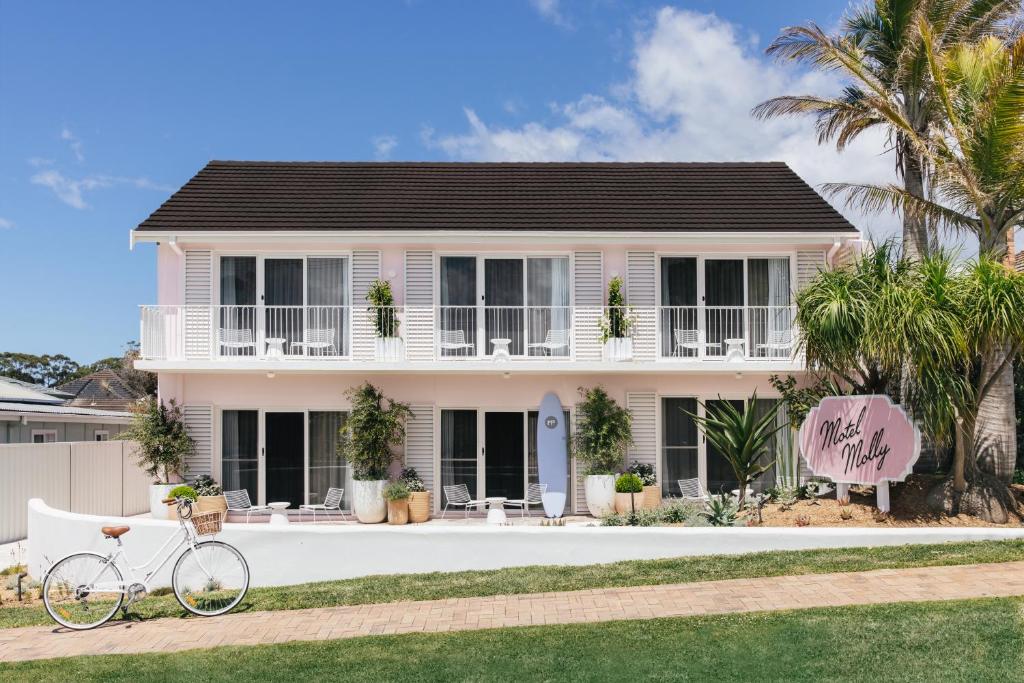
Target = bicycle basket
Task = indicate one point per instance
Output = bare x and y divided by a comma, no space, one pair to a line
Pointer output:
207,523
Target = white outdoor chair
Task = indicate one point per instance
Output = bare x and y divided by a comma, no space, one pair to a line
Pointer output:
315,339
458,495
454,340
332,503
238,501
554,340
534,496
777,340
236,339
690,340
690,489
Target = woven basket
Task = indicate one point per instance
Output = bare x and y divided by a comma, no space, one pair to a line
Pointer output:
208,523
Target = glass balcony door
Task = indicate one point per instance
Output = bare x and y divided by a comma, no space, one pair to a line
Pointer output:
283,300
503,305
724,301
681,335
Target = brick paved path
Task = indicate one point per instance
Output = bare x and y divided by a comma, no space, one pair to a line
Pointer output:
607,604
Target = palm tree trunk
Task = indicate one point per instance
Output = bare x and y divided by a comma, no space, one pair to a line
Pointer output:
995,437
916,243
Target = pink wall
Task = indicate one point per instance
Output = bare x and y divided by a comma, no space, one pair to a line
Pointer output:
170,272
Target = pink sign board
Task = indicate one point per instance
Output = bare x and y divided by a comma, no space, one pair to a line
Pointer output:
860,440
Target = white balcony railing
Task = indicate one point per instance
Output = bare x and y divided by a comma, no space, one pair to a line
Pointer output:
456,333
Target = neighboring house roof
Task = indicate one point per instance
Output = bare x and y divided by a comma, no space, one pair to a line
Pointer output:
613,197
1020,260
103,389
44,409
16,390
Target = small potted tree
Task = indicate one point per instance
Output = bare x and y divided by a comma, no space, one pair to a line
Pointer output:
164,443
652,491
382,312
397,495
375,425
603,432
419,496
629,494
615,325
209,495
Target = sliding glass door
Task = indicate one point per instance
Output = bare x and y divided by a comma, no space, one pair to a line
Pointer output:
457,326
503,304
679,454
459,449
681,335
770,317
548,316
723,296
285,457
240,452
236,317
326,330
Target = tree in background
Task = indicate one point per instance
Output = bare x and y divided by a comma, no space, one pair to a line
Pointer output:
54,370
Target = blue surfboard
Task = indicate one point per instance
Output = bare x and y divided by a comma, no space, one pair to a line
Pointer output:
552,463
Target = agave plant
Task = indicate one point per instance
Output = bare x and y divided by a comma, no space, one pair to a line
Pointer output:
721,510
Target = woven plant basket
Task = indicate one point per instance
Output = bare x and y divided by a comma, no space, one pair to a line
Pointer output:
419,506
207,523
652,497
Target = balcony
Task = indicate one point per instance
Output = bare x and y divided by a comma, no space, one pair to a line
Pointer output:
468,335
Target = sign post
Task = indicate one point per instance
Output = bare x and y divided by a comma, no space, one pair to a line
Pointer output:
860,440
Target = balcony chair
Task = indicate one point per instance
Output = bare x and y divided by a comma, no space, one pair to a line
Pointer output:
690,340
458,495
690,489
236,339
554,340
777,340
238,501
455,340
534,496
316,339
332,503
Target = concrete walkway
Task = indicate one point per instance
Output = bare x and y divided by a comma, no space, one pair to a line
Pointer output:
608,604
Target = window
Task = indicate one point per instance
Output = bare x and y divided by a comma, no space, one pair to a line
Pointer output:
101,435
458,448
44,436
679,443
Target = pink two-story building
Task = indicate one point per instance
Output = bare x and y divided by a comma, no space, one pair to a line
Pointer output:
500,276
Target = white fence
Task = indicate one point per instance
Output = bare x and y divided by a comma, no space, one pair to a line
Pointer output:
91,477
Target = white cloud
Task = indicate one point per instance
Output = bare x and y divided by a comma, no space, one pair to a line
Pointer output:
72,191
5,224
694,80
73,142
383,145
551,11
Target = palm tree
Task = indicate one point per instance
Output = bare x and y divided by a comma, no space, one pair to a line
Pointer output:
978,187
880,52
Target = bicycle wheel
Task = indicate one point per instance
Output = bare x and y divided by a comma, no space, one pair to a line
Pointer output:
210,579
83,591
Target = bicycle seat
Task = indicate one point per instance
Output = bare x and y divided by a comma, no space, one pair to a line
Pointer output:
114,531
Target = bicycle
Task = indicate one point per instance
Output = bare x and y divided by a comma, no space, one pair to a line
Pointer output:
84,590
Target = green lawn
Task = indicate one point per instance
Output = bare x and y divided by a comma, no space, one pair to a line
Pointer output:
976,640
376,589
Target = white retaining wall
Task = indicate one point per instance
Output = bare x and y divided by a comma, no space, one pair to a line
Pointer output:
281,555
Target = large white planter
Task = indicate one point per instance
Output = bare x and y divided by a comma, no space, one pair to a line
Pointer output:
157,508
600,490
368,501
618,349
389,349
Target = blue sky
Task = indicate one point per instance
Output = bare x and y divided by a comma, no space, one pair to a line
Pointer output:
105,108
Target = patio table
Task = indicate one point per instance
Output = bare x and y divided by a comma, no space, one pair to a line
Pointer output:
501,352
495,510
734,348
275,347
278,514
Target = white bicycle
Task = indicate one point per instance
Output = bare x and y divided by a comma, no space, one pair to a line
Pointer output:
85,590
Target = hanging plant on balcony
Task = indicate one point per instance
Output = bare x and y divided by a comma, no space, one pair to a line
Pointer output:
382,309
616,324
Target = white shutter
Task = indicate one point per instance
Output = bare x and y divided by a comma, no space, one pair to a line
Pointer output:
419,447
589,300
419,305
808,265
578,470
365,269
643,407
198,302
641,275
199,421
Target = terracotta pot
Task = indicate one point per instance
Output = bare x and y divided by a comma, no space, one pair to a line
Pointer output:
600,492
623,506
419,506
652,497
211,504
398,511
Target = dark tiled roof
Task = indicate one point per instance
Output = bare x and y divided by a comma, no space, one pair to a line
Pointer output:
103,389
266,195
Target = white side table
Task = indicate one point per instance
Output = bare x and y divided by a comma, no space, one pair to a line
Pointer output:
495,511
501,353
275,347
734,348
279,512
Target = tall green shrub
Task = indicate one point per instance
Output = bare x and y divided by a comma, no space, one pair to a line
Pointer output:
382,308
616,321
375,425
603,432
163,438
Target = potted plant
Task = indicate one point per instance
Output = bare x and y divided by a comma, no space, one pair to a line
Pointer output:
419,496
652,491
629,490
164,443
374,426
397,495
180,491
209,495
615,324
385,321
603,432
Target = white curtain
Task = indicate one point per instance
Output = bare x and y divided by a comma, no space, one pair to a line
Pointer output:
547,294
327,299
